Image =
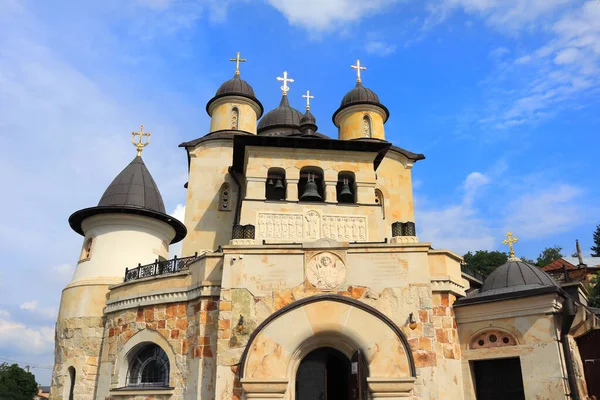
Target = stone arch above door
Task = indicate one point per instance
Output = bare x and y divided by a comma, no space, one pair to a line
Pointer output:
275,349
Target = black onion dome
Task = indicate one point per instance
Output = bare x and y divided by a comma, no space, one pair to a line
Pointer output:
361,95
283,116
133,191
308,119
513,279
236,86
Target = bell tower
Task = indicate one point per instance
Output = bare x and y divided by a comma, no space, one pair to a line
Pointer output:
360,115
234,107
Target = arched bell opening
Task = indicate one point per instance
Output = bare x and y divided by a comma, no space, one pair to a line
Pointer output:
311,185
346,188
275,185
325,373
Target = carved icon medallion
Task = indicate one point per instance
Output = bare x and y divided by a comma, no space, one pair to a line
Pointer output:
326,271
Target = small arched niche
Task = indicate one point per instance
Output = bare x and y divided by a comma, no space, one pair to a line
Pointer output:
275,185
346,187
224,197
367,126
235,118
380,201
86,250
70,384
311,185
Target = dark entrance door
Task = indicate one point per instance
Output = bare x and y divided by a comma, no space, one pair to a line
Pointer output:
324,374
499,379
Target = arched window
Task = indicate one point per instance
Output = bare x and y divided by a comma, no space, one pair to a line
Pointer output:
379,200
224,196
275,186
148,366
235,118
86,250
310,185
367,126
346,188
71,384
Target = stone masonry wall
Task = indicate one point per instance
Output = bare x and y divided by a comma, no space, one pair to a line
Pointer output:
77,344
190,330
433,342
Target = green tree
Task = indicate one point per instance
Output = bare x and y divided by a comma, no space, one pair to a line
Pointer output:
527,260
16,383
596,247
548,255
484,261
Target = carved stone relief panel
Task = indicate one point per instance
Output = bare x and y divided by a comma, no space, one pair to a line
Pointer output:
325,270
310,226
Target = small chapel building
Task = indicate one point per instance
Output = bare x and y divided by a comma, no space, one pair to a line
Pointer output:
301,278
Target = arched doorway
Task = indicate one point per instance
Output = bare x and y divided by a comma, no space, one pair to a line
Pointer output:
324,374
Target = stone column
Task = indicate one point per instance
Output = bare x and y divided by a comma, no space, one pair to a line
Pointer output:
331,192
255,188
291,189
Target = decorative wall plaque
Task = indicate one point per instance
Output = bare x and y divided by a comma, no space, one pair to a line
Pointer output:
311,226
326,271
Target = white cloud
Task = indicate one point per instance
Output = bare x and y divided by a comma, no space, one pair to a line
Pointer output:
506,15
27,340
44,312
567,56
547,212
179,212
499,52
319,15
457,227
380,48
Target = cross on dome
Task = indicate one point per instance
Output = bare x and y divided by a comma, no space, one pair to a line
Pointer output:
307,96
237,61
139,144
510,239
358,68
285,88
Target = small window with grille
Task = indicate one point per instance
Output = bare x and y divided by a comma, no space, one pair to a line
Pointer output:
86,250
148,367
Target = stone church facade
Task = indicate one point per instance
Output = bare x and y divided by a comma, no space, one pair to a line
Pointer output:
301,277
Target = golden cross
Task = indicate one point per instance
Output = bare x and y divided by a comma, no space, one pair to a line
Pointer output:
285,80
358,68
139,144
510,239
307,96
237,60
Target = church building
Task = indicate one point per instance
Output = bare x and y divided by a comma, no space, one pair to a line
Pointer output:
302,278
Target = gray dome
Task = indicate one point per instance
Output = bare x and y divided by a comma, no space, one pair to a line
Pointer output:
283,116
515,274
133,187
361,95
236,86
308,119
134,192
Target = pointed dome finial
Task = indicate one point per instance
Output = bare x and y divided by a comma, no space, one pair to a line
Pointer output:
510,239
140,144
237,61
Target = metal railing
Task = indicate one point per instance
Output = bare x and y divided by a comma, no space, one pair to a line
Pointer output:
159,268
471,272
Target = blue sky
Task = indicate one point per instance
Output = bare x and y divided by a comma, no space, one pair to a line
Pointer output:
500,95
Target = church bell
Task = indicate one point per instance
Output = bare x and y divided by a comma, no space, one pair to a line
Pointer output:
279,184
346,195
311,192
